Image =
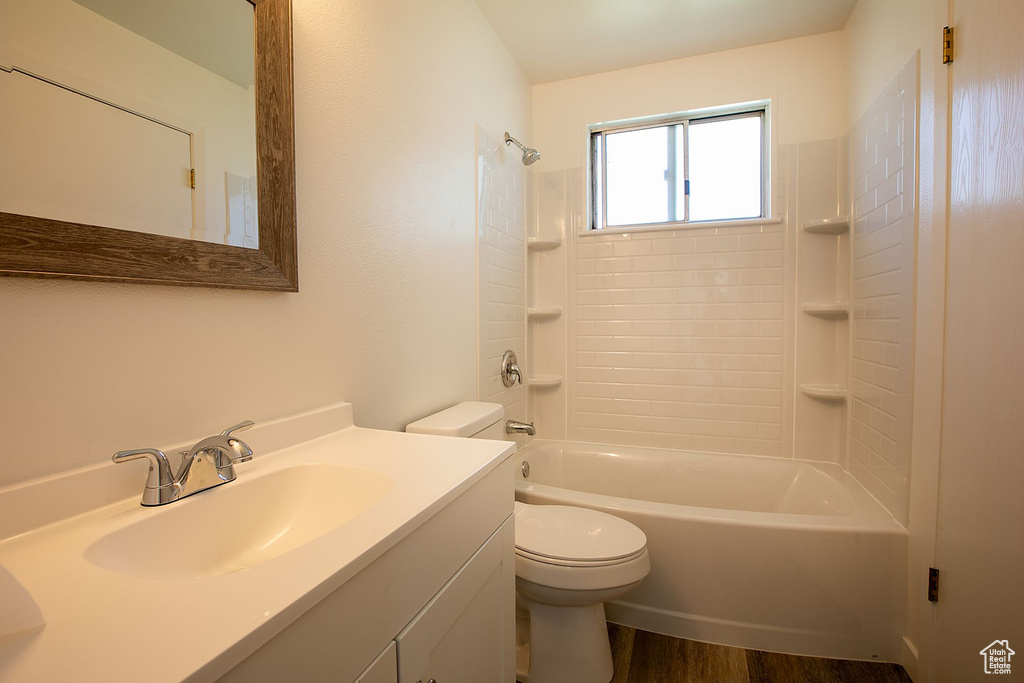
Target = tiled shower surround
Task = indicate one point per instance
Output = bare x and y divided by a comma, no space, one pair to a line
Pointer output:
882,293
679,339
698,338
501,270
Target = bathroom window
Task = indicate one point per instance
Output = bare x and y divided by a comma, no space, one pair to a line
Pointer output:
680,170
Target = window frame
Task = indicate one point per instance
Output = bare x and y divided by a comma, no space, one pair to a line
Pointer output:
597,169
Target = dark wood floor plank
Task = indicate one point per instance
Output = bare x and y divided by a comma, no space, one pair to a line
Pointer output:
713,663
770,667
621,638
663,659
645,657
656,659
873,672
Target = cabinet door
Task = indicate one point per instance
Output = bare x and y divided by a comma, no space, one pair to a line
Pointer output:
466,633
384,669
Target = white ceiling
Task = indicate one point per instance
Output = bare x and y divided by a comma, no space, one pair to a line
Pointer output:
556,39
215,34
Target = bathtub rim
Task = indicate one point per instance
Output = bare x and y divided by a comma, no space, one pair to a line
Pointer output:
874,519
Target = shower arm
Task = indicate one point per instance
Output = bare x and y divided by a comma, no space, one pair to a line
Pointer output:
530,155
511,140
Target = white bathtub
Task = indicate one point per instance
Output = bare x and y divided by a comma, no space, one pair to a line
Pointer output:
766,553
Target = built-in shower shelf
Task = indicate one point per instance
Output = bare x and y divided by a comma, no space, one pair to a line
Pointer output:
543,312
836,225
542,243
831,310
825,392
544,381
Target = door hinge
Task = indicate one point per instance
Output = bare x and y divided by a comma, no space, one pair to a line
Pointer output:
947,45
192,178
933,584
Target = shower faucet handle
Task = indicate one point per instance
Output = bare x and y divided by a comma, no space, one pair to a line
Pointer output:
510,373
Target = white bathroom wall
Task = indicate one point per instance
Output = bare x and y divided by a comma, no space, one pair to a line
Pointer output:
880,37
386,100
884,147
803,77
501,270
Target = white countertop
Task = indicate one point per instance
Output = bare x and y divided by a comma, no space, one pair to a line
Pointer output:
107,626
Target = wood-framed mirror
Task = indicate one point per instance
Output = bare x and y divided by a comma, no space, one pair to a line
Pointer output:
35,246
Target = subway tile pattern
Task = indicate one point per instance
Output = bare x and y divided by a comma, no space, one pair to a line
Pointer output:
501,270
884,144
678,339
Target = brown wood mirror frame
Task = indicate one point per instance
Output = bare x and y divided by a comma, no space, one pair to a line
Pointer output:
39,247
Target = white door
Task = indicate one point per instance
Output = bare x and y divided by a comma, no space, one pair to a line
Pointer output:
981,494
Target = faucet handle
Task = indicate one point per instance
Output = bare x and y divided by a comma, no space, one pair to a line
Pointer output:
242,451
240,427
510,372
159,468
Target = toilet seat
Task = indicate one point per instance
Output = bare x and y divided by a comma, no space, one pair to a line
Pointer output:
577,549
575,537
576,563
595,579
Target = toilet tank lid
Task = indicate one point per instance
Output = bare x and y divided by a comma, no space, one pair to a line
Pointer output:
464,419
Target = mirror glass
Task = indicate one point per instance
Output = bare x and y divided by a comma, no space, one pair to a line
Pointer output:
131,114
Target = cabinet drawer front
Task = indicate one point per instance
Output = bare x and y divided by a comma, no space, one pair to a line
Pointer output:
384,669
463,633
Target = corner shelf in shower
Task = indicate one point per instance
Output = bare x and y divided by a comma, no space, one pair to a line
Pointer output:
830,310
543,312
836,225
542,243
544,381
825,392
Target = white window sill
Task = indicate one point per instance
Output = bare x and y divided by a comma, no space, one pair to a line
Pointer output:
658,227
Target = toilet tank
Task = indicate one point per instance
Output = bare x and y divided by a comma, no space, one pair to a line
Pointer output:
470,419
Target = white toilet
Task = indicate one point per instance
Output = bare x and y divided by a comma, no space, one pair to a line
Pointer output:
569,562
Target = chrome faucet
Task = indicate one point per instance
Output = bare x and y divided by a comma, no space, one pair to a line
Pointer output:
209,463
517,427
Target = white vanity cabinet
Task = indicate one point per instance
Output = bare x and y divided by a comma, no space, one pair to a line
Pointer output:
439,604
384,669
466,633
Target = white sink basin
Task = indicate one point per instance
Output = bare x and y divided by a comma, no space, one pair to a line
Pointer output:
240,524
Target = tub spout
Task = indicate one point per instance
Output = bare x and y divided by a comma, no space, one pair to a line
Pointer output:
517,427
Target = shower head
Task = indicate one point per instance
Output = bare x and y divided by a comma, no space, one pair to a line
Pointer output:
530,155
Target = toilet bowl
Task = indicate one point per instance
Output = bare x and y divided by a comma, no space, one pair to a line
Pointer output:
569,561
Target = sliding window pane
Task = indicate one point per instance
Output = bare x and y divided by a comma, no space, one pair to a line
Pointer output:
725,168
680,173
637,177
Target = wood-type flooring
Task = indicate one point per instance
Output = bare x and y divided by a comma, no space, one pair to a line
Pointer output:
643,657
